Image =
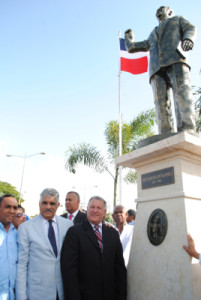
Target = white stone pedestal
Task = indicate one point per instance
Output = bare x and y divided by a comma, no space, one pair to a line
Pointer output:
166,272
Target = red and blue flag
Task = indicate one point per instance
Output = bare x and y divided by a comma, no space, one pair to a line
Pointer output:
134,63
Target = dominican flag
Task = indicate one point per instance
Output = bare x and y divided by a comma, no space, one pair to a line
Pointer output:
134,63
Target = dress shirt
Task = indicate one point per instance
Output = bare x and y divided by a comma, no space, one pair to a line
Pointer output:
126,240
8,261
55,226
100,227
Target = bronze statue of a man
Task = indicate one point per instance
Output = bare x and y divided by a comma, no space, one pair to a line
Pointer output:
168,44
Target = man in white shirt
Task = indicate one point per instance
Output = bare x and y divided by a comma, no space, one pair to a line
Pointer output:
125,230
40,241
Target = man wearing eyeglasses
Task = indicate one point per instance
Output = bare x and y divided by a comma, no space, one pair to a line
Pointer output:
19,217
8,247
40,241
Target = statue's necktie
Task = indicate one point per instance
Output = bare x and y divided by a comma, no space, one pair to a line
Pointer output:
99,236
51,236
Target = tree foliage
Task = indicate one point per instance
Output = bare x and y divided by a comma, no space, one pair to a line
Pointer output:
88,155
7,188
130,177
139,128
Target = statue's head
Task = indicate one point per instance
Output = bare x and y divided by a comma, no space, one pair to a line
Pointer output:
163,13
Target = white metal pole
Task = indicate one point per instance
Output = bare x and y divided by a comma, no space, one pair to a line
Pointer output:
120,133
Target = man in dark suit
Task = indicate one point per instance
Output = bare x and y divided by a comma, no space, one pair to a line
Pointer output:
92,261
168,44
72,206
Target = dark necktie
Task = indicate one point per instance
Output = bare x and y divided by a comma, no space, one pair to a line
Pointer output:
51,236
99,236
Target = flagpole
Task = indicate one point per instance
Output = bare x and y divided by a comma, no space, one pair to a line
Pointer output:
120,133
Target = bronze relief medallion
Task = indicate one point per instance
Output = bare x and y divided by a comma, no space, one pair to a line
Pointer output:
157,227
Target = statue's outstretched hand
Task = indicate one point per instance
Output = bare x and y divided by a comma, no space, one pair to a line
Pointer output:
187,45
129,35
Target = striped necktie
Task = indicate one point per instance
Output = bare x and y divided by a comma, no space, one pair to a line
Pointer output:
99,236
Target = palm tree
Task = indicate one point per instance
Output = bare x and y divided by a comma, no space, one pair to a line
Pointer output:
140,128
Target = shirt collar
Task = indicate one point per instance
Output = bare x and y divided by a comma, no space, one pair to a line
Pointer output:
46,221
11,227
73,214
100,224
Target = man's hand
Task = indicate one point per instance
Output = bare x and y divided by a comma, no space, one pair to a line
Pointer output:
190,249
187,45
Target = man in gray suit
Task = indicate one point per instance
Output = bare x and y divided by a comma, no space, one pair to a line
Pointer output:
168,44
40,241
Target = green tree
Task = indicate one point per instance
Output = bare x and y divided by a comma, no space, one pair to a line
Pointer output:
108,218
7,188
138,129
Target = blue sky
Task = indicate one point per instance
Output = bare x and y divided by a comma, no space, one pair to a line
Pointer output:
59,64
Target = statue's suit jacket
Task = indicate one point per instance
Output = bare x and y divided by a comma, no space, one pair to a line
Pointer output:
79,218
38,271
89,274
163,43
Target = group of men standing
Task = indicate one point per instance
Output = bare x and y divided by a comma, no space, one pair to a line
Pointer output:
73,256
55,258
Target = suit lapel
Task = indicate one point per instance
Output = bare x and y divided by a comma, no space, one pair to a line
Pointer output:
38,223
91,235
77,217
106,237
160,29
60,235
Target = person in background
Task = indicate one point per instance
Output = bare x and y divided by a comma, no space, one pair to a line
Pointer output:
125,230
19,217
131,217
72,206
8,247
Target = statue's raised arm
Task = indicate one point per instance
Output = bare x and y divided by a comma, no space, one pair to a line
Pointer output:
132,46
